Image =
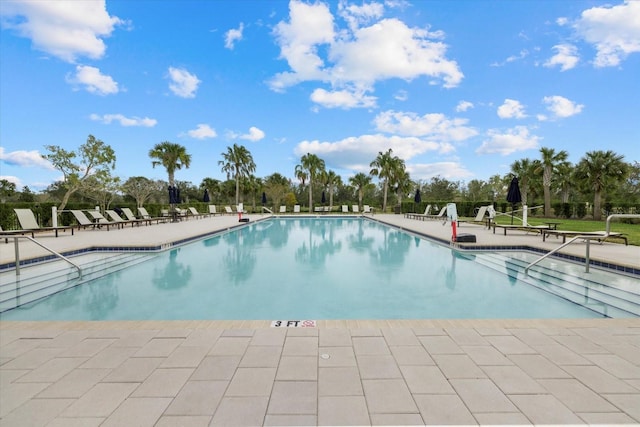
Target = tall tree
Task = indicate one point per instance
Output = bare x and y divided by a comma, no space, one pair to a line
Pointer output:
360,181
524,169
600,171
549,162
313,166
400,179
331,181
140,188
172,156
237,162
94,158
383,167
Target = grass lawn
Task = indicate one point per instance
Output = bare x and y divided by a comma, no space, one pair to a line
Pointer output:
632,231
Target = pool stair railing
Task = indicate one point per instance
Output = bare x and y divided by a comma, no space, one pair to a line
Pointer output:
609,294
41,280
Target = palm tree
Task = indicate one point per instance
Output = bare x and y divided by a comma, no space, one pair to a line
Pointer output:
382,167
524,169
312,165
237,162
550,161
400,179
331,180
360,181
171,156
600,171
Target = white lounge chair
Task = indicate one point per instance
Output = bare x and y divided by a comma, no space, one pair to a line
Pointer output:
28,223
194,212
440,214
99,219
427,211
213,211
84,221
367,209
355,208
145,215
345,209
118,219
296,208
283,209
129,214
227,210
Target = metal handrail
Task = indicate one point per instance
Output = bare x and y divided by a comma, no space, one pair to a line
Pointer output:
17,252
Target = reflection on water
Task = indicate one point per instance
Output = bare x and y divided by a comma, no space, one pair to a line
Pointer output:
173,275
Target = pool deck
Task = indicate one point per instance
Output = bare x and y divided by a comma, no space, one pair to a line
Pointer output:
343,372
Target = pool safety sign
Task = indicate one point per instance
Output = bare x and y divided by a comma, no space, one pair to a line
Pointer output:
293,324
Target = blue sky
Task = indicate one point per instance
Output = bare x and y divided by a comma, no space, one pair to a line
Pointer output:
457,88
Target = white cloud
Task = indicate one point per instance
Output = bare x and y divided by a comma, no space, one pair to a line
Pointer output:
513,58
613,31
93,80
464,106
66,29
566,57
505,143
511,109
25,158
562,107
448,170
342,99
124,121
11,178
183,83
316,49
202,131
433,126
401,95
232,36
254,134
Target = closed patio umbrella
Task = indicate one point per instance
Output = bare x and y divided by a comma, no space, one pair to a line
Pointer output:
264,198
513,195
324,199
206,197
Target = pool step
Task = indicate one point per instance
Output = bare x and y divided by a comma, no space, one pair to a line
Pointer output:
44,279
609,294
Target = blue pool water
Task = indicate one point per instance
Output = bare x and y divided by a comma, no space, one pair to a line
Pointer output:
304,268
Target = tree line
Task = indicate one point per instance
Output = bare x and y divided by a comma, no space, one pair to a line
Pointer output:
599,177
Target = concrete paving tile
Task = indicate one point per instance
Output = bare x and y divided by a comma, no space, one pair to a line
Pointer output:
75,383
163,382
484,355
428,331
300,346
616,365
508,344
458,366
36,412
513,380
532,336
544,409
378,367
426,379
365,332
342,411
184,421
633,383
52,370
33,358
440,345
159,347
537,366
240,411
560,355
502,418
76,422
185,357
7,376
261,357
217,368
174,333
576,396
298,368
144,410
628,352
396,420
197,398
134,338
483,331
341,381
290,420
388,397
302,332
135,369
109,358
202,338
65,340
411,355
482,395
335,338
399,336
252,382
442,409
270,337
599,380
580,344
466,336
629,403
336,356
238,332
294,397
607,418
101,400
603,336
370,346
230,346
87,348
16,394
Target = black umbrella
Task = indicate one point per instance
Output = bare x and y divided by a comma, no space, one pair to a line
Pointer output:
206,197
173,195
417,198
514,196
264,198
324,200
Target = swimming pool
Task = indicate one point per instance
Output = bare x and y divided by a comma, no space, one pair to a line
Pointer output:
305,268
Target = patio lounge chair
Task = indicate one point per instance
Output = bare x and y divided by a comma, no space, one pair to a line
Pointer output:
345,209
213,211
194,212
84,221
600,236
367,209
296,208
440,215
29,224
522,227
283,209
145,215
99,219
118,219
480,215
228,211
427,211
355,208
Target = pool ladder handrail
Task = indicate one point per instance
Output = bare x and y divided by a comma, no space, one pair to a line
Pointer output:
17,253
588,239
